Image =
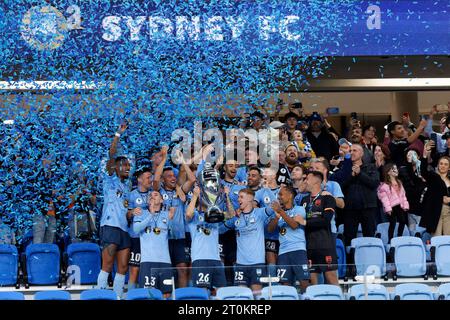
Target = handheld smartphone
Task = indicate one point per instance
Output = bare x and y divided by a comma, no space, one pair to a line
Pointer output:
433,137
332,110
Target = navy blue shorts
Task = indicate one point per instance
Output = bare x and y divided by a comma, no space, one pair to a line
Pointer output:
113,235
272,245
293,266
178,252
135,252
153,274
208,274
248,275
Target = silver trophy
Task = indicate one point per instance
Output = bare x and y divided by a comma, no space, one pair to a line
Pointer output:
211,194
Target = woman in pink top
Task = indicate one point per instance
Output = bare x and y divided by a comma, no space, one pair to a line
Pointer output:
392,195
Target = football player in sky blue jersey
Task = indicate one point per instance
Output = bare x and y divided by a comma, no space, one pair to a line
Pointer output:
115,239
152,225
174,195
290,223
136,202
251,159
264,197
298,176
249,226
207,267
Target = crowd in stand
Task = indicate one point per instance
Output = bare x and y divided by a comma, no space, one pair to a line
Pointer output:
280,221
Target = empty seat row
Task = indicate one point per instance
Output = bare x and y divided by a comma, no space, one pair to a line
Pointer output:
41,264
404,291
408,255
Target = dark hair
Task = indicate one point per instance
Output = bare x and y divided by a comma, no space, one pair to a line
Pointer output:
290,189
386,168
290,115
391,126
167,169
120,158
254,168
140,172
367,127
316,174
386,151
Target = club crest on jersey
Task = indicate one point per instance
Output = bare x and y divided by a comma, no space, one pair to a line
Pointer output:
237,222
139,201
266,200
119,193
165,196
200,218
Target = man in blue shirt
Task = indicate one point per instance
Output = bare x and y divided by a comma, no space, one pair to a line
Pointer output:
265,197
174,195
115,239
152,225
137,202
207,268
290,223
227,238
249,226
251,159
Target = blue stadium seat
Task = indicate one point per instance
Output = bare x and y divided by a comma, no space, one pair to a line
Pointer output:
234,293
191,293
280,293
9,260
418,232
440,254
342,259
42,264
11,296
444,291
98,294
52,295
87,257
409,257
413,291
369,256
374,292
324,292
144,294
382,232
